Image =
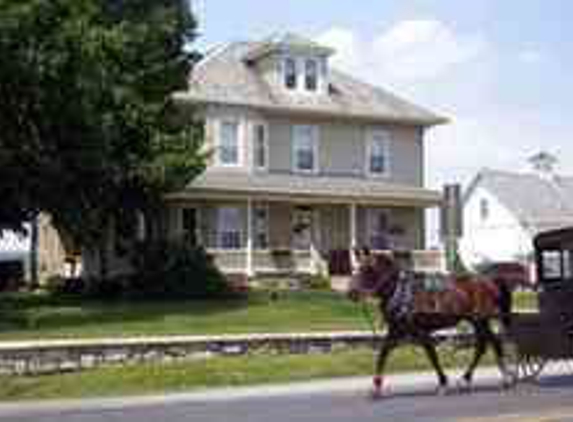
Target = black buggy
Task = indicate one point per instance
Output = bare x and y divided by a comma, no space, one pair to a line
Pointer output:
535,338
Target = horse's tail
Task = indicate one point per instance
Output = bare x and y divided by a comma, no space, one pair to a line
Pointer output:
504,300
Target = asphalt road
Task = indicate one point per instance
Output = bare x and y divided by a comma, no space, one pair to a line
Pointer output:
551,401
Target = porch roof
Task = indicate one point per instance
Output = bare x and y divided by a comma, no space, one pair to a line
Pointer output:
311,188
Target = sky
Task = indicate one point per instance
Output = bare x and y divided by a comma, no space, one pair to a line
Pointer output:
499,70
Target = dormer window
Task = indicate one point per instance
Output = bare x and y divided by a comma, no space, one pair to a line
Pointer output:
310,75
290,73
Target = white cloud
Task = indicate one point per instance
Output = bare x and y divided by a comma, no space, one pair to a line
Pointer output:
417,50
457,74
411,50
348,51
423,59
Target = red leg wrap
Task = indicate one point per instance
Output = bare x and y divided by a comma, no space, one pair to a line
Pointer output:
377,382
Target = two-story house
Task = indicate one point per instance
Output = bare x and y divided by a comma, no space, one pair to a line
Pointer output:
306,162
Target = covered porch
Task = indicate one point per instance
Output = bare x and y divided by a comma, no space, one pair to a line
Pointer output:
260,237
283,223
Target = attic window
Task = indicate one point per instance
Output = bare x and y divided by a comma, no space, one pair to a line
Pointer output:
290,73
310,75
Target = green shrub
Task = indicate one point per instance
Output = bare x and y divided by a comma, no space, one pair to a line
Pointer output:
317,282
66,286
174,270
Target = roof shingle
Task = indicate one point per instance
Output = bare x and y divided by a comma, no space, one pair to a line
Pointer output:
225,78
540,203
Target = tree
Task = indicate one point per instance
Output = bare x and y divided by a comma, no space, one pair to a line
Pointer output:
85,127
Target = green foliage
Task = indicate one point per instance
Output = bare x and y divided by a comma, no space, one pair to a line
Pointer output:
175,269
87,130
317,282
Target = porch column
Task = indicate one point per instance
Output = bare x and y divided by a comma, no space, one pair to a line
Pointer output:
353,240
249,244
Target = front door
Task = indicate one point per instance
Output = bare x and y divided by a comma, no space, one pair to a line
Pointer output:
302,227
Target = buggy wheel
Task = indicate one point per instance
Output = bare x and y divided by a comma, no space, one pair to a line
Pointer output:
531,367
522,367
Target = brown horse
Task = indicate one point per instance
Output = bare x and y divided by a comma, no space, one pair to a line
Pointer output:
477,301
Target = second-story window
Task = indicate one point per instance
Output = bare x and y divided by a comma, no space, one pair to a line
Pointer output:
260,146
378,160
290,73
228,152
310,75
305,148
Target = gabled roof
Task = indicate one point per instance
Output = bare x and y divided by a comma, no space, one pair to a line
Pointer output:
225,77
539,203
287,41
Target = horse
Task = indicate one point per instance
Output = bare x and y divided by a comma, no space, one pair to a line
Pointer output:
477,301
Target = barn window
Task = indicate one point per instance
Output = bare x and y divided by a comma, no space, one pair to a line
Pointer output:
484,209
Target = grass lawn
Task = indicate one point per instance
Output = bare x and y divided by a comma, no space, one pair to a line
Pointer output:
40,316
213,372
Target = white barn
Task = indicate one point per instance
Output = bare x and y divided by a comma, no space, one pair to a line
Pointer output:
14,246
503,212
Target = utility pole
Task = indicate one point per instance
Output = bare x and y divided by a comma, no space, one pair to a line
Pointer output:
451,226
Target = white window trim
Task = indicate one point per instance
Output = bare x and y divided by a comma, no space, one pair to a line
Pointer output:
297,72
300,75
253,137
241,229
317,66
315,150
240,142
387,153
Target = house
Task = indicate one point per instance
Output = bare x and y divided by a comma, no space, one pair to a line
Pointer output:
306,161
503,211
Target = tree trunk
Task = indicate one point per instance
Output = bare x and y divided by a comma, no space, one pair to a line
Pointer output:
34,283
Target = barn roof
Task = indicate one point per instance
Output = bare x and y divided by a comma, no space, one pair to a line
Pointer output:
539,202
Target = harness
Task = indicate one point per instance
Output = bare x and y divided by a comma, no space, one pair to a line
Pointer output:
401,303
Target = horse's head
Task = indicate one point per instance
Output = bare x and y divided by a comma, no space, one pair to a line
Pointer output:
374,275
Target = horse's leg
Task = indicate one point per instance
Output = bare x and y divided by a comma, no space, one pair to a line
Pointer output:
495,341
427,343
480,348
389,343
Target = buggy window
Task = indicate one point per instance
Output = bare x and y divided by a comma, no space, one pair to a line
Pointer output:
551,265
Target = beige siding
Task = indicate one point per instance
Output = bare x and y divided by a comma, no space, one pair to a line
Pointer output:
280,147
407,155
342,149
